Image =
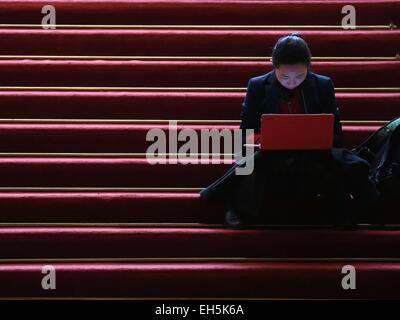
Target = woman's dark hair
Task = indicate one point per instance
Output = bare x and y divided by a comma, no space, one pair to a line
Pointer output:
291,49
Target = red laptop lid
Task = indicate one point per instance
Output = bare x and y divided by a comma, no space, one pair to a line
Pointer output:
297,131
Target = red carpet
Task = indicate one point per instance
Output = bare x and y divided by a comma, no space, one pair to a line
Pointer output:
77,193
114,242
226,12
164,42
273,280
181,73
171,105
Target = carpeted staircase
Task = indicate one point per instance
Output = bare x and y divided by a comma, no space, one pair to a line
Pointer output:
78,193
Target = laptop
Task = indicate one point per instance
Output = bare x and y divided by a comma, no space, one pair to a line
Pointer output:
297,131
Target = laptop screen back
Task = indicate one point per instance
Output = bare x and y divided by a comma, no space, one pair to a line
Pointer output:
297,131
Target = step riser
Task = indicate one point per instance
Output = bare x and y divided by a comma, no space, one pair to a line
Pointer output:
157,42
152,207
223,106
183,74
69,242
120,137
105,172
212,12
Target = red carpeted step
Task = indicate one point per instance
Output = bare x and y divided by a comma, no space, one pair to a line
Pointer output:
103,207
148,252
178,42
277,280
108,172
112,242
158,207
90,137
182,73
218,12
171,105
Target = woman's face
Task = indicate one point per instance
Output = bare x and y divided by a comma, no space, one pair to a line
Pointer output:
290,76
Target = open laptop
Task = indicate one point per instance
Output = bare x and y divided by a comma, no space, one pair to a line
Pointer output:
297,131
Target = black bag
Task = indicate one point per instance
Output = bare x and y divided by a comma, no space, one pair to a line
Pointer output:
382,150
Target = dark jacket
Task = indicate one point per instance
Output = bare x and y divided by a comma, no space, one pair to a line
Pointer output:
318,96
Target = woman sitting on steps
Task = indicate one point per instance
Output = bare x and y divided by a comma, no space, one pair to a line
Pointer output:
338,174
